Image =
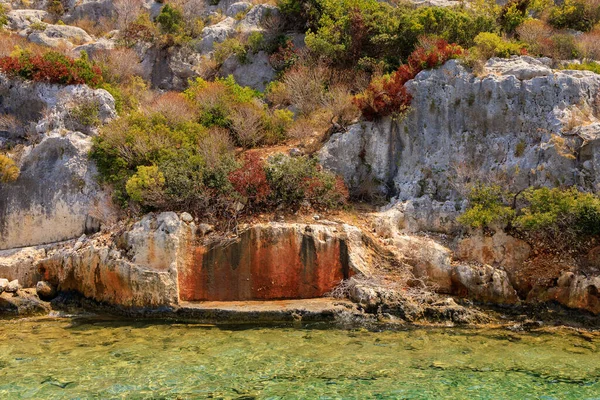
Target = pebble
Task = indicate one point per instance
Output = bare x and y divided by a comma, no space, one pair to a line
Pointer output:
186,217
13,286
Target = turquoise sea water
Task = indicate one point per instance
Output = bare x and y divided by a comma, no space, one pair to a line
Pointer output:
76,358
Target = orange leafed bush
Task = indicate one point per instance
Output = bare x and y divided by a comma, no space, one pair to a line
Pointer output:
387,95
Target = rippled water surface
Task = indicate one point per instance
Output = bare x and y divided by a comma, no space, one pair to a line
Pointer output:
64,358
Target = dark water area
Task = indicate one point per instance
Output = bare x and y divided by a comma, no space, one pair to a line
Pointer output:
74,358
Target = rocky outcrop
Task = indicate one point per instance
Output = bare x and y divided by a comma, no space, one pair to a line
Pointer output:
159,261
56,196
19,20
137,269
256,72
519,122
60,35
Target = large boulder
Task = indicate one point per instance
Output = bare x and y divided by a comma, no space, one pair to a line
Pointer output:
256,72
136,269
57,35
216,33
19,20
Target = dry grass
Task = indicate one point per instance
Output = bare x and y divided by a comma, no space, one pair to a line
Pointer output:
247,125
537,34
8,42
97,28
589,44
174,106
120,65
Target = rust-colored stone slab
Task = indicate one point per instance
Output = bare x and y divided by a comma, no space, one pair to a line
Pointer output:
266,264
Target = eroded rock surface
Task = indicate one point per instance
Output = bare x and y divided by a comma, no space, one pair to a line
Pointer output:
274,261
56,196
519,122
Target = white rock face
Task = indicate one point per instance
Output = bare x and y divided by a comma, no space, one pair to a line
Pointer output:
256,72
237,8
56,194
217,33
57,35
519,123
21,19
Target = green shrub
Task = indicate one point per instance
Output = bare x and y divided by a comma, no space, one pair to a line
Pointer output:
488,44
225,104
346,31
230,47
3,17
564,46
587,66
580,15
38,26
557,210
556,217
170,20
294,180
9,172
487,208
513,14
146,185
256,42
86,113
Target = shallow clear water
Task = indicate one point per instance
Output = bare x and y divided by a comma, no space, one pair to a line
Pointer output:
64,358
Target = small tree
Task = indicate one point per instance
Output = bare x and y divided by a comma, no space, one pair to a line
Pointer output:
170,20
127,11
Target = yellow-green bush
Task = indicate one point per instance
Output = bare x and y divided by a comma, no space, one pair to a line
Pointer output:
9,172
488,207
488,44
550,215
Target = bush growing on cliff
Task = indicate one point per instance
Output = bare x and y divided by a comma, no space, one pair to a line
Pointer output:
556,217
9,172
488,45
294,180
580,15
388,95
52,67
551,211
488,207
223,103
3,17
170,19
513,14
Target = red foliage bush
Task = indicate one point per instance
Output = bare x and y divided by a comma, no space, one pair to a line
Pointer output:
52,67
284,57
250,180
387,95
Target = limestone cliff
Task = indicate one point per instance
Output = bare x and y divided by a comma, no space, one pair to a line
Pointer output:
56,196
519,122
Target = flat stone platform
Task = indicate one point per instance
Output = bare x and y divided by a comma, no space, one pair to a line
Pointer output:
307,310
